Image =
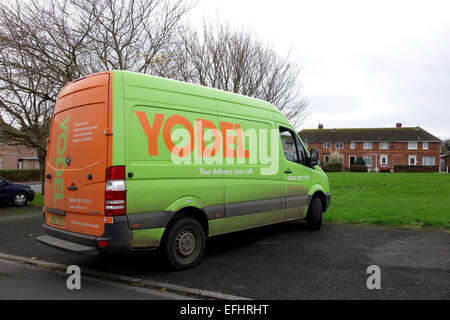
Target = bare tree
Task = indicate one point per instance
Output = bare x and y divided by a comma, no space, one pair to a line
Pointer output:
46,43
233,60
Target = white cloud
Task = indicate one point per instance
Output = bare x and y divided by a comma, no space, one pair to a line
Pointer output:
364,64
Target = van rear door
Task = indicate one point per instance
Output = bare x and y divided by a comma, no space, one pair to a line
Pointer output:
77,156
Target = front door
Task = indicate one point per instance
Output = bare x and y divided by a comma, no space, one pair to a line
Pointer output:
296,178
352,160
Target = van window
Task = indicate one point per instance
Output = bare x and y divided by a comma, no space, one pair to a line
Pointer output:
289,145
301,150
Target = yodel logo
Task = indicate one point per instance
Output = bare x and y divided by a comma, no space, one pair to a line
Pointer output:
229,138
61,146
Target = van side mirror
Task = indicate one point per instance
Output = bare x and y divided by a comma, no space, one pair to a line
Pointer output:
314,157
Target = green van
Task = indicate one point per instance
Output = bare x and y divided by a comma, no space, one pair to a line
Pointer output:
141,162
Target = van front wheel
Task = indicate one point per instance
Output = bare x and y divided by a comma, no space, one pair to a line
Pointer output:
185,243
314,216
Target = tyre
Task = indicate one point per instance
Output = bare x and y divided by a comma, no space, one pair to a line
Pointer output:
184,244
20,199
314,215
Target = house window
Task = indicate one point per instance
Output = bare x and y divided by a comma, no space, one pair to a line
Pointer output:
326,159
367,160
384,145
339,145
352,145
412,160
384,159
428,161
367,145
425,146
412,145
327,145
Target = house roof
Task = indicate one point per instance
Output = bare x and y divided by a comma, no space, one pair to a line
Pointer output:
368,134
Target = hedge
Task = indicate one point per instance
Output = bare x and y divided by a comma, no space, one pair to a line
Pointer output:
360,161
416,169
332,167
357,168
21,175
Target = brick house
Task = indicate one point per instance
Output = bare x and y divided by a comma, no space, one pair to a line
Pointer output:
17,157
445,162
391,146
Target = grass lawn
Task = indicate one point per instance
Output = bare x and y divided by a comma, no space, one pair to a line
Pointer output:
401,199
38,200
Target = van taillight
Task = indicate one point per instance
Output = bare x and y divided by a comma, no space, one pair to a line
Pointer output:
115,191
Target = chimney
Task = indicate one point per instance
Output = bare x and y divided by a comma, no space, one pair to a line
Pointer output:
320,126
398,124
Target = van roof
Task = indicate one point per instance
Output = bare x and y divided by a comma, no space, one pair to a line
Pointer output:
199,90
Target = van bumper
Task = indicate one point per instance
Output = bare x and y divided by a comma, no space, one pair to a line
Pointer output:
117,234
68,246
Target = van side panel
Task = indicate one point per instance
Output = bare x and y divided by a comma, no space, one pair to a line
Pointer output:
152,115
154,109
252,197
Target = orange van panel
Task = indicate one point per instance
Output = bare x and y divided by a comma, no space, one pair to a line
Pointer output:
77,156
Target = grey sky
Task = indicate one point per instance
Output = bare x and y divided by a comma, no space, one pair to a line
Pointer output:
364,63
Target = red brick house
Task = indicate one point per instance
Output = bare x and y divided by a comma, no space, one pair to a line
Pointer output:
391,146
445,163
17,157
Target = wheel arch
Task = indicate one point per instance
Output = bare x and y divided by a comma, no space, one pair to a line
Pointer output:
321,195
192,212
318,191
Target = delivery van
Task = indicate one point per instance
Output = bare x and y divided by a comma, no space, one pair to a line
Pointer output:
140,162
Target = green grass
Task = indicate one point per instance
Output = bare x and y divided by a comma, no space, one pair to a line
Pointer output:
38,200
399,199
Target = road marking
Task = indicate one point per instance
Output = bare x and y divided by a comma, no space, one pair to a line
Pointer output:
160,286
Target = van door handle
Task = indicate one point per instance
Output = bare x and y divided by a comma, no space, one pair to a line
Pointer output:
72,188
48,176
287,171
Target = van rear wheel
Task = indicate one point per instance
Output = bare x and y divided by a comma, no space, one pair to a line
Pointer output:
314,216
184,244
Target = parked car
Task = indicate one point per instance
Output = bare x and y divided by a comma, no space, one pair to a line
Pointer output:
384,168
18,194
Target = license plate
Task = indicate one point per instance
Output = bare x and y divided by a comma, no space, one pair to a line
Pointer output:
56,219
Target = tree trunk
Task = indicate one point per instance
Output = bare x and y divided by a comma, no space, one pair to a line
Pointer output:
41,158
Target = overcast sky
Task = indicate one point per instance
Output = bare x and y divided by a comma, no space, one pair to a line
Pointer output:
364,63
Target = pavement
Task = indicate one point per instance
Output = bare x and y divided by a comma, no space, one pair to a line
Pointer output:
36,186
19,281
284,261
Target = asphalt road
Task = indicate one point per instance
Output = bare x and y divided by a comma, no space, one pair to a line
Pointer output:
21,281
284,261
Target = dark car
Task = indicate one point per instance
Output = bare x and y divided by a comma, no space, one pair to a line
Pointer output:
18,194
